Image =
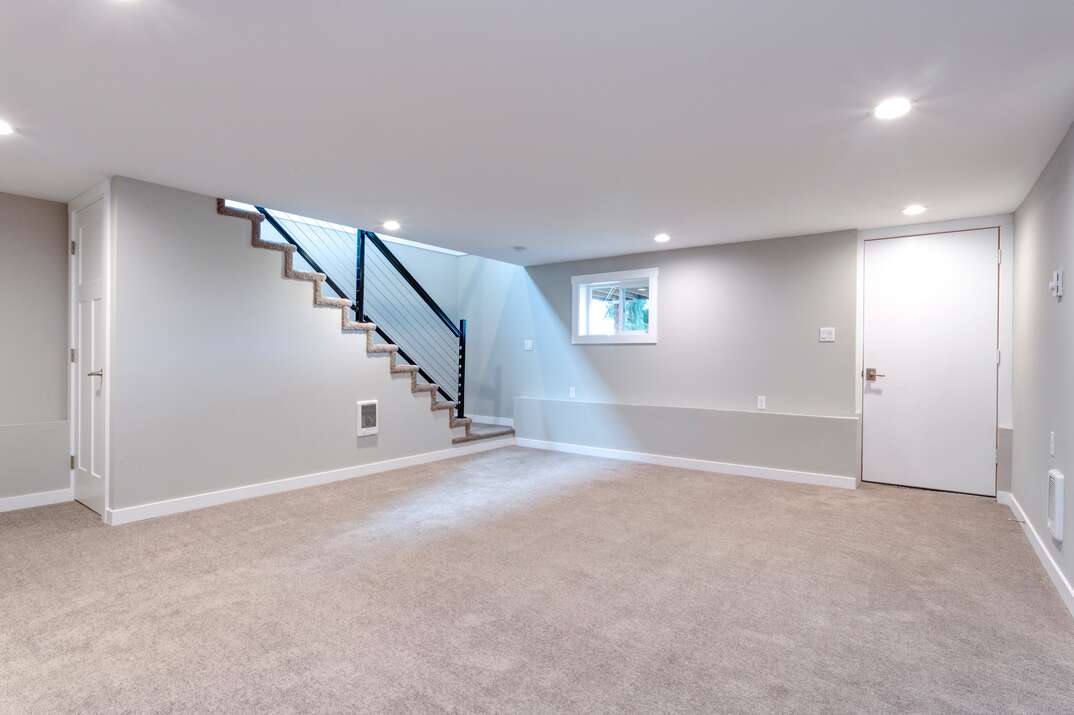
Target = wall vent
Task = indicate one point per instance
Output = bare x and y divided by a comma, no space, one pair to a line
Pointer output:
368,418
1055,503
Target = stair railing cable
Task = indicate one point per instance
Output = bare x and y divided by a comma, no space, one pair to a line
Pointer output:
428,338
441,331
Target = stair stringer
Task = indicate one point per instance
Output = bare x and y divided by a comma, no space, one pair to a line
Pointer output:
347,325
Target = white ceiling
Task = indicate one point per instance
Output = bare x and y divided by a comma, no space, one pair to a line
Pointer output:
576,129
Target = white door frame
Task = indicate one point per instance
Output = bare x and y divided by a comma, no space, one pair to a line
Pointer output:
102,191
1004,307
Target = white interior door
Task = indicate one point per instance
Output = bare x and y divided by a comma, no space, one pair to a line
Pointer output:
931,312
90,333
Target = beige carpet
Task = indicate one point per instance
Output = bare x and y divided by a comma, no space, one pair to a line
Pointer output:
529,581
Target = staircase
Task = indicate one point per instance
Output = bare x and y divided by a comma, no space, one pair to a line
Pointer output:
382,287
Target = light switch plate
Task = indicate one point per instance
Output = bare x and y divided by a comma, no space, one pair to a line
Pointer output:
826,335
1055,286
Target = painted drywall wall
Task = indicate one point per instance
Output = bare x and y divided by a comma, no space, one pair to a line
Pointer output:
1044,347
438,274
736,321
33,353
225,374
804,443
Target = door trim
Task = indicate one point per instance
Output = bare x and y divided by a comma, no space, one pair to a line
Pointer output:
100,192
859,377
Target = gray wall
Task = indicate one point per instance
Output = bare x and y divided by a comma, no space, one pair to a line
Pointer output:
1044,346
735,321
224,374
33,364
822,445
437,272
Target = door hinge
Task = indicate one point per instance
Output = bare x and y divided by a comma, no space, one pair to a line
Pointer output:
73,249
73,355
995,455
999,255
999,357
72,461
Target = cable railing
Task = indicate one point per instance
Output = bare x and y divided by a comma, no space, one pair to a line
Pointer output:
361,268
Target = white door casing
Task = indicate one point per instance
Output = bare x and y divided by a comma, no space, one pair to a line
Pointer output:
90,290
930,322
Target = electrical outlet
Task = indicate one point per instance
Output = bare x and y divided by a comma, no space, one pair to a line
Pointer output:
1051,443
570,392
762,402
527,345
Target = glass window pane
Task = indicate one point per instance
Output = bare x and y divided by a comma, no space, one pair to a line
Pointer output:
636,309
603,310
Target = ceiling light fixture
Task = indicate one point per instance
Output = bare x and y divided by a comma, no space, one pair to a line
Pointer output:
892,108
914,210
661,238
6,128
391,225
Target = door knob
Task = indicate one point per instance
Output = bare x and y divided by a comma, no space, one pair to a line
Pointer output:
871,374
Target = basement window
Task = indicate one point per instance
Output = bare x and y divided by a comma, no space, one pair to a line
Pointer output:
615,307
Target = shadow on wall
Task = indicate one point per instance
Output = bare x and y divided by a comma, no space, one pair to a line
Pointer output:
490,390
506,308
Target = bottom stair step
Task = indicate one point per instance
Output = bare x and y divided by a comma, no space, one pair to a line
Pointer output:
480,431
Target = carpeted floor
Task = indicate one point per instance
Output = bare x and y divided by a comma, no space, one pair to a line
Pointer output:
528,581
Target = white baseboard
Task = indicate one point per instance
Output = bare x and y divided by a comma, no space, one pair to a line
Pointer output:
129,514
702,465
489,420
1062,583
25,501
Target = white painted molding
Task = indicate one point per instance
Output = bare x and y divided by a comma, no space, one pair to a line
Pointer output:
489,420
1062,583
701,465
178,505
25,501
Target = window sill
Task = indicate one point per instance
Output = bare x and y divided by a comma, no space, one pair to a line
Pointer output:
647,339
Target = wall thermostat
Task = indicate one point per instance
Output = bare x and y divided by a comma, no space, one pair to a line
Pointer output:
1055,503
368,419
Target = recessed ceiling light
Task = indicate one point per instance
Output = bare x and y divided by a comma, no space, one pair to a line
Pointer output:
914,210
6,128
892,108
391,225
661,238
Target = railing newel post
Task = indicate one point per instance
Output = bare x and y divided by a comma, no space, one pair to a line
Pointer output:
462,368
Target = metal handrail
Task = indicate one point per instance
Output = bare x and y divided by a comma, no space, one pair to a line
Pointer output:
398,265
359,308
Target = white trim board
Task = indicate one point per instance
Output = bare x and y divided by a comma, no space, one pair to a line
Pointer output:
26,501
178,505
1062,583
701,465
490,420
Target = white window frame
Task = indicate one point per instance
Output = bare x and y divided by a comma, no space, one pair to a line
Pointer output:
581,284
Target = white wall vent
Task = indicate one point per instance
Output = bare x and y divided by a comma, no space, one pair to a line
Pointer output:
368,418
1055,503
